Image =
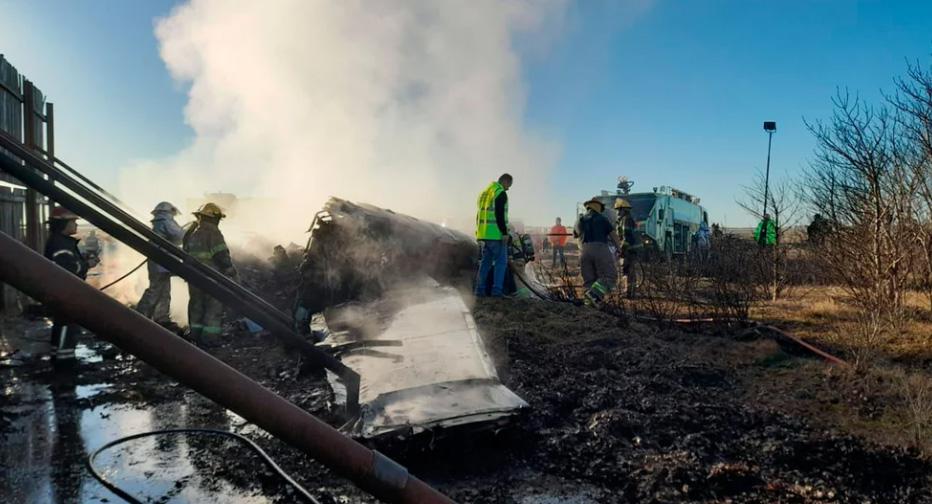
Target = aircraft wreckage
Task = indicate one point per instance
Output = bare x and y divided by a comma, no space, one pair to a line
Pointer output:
379,290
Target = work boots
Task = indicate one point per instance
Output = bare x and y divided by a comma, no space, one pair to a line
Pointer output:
595,294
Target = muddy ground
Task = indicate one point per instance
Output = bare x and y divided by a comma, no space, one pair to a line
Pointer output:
619,413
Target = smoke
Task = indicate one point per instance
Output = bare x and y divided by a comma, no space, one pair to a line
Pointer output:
410,105
116,260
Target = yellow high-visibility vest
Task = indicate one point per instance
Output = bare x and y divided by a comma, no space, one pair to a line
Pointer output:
486,228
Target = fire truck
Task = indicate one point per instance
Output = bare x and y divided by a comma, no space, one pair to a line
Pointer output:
666,217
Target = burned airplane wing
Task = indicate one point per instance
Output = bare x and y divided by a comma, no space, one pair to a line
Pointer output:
424,364
385,284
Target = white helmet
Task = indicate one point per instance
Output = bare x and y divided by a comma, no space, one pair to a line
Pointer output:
165,207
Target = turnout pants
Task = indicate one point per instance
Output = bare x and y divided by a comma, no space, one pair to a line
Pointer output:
599,270
64,340
155,302
629,271
205,315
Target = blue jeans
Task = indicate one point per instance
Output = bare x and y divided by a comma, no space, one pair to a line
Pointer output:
558,249
494,252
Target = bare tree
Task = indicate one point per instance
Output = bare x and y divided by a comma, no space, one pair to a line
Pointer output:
913,101
783,207
860,179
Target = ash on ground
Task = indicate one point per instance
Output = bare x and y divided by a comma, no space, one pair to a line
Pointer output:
619,413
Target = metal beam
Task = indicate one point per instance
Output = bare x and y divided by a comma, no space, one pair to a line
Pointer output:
67,295
124,227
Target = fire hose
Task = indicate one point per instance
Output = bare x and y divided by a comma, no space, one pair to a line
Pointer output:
755,326
124,277
129,498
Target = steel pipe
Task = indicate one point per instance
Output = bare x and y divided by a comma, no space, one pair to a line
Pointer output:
134,234
67,295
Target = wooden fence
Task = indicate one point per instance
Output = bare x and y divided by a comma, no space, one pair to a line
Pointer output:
24,115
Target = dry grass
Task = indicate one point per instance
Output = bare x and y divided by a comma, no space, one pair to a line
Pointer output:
886,396
821,316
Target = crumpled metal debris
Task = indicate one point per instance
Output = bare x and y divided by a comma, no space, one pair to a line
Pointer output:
390,281
440,376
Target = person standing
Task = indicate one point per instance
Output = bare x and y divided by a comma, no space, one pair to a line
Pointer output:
597,260
492,234
91,245
766,232
155,302
558,237
205,242
818,230
703,241
62,249
631,242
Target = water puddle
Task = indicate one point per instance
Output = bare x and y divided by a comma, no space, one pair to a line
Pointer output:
89,391
44,449
87,354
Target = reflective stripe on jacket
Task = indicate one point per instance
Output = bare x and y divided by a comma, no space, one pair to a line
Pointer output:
63,250
206,244
486,226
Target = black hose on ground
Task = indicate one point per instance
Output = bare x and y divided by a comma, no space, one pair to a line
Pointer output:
520,277
130,272
129,498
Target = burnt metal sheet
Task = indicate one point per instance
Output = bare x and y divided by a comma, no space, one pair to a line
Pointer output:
440,376
356,251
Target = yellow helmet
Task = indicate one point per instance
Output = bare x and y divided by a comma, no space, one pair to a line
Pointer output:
210,210
622,203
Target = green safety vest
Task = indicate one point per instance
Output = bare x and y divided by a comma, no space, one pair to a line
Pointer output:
486,228
769,237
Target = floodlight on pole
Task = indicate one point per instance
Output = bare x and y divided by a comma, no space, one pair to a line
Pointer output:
770,127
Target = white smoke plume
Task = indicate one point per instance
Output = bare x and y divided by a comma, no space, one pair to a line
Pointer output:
406,104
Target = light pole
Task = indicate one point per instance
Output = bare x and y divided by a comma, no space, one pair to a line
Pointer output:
769,127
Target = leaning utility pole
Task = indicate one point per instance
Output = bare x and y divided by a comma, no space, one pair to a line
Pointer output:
770,127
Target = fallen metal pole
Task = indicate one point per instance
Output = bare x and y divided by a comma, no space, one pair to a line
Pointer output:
70,297
144,240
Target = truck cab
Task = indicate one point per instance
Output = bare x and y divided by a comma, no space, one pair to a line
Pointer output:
667,218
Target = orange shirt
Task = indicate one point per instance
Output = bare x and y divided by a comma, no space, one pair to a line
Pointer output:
558,241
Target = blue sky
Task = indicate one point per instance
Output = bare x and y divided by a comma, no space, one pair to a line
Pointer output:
674,95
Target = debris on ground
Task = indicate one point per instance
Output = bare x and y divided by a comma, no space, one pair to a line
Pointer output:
617,414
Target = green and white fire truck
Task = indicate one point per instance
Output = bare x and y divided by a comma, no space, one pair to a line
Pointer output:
667,218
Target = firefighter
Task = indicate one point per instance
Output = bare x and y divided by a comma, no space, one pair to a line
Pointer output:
62,248
205,242
631,242
91,245
492,234
597,260
155,302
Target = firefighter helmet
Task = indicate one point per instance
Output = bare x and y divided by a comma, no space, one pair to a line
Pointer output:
622,203
62,213
210,210
595,201
165,207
